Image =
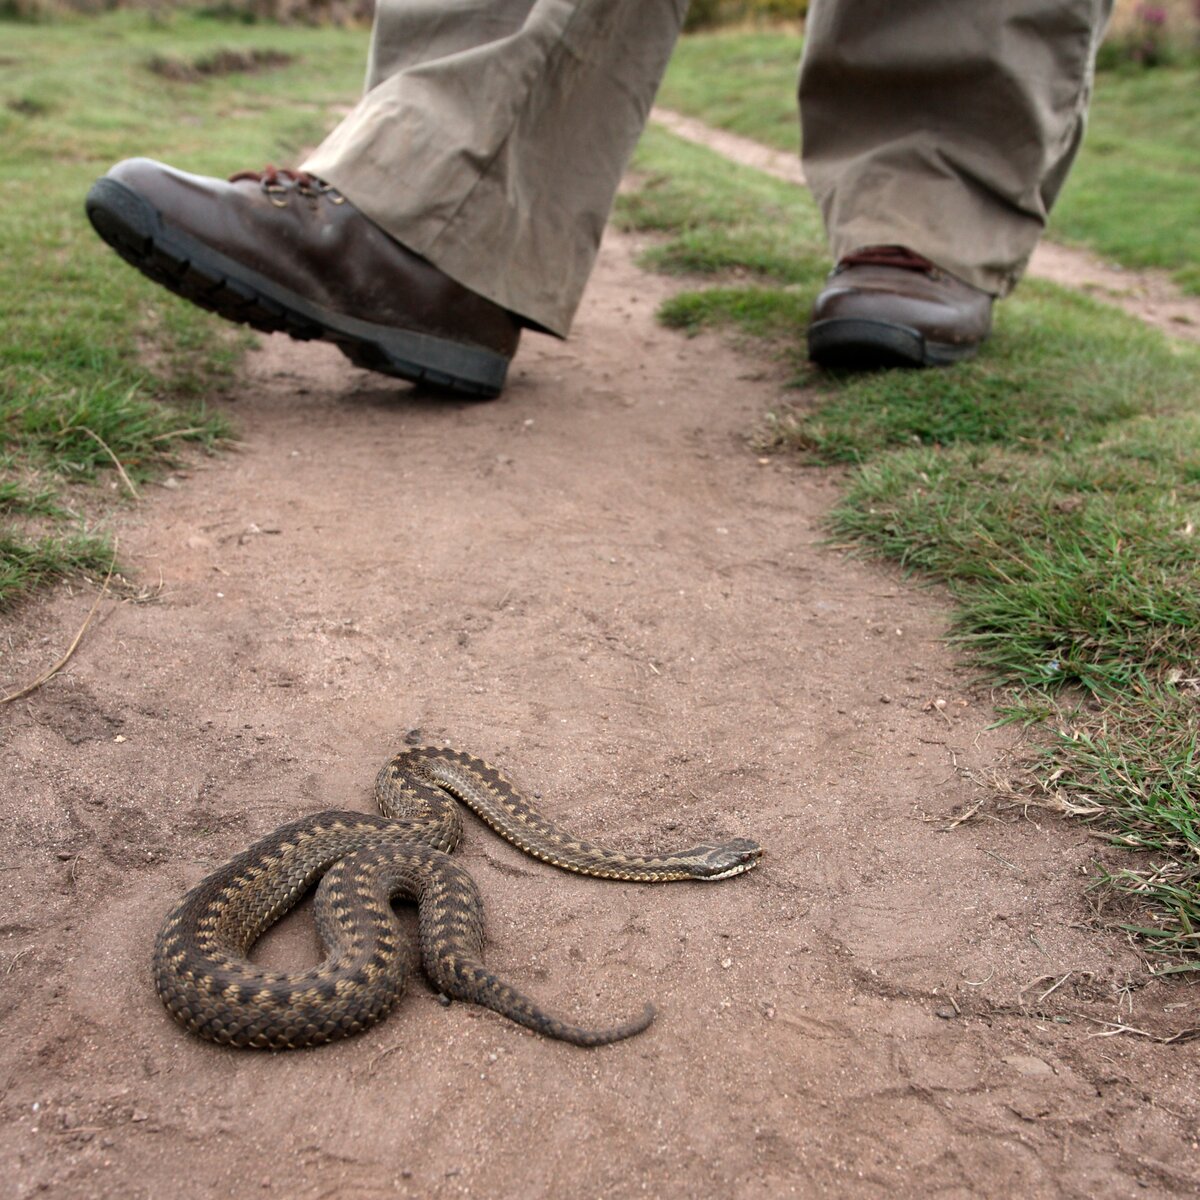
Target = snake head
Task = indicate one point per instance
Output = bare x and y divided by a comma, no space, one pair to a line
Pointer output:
723,859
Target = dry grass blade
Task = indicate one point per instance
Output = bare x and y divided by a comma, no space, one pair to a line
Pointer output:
1115,1027
1054,986
16,958
49,674
116,461
961,819
171,434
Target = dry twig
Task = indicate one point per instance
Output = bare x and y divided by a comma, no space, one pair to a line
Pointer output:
49,674
1115,1027
16,958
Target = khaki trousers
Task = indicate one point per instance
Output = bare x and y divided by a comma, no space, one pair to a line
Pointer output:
493,133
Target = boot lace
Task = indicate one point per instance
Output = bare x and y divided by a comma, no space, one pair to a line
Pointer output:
278,182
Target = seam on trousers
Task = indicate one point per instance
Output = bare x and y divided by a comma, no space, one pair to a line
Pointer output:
487,172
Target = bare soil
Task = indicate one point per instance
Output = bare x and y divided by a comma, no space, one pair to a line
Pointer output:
596,584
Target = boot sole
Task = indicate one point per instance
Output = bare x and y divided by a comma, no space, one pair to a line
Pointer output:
857,344
136,230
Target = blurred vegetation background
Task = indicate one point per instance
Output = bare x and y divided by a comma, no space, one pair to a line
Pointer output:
284,12
1139,30
1141,34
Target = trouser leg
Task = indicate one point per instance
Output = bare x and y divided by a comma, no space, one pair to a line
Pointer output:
493,136
945,127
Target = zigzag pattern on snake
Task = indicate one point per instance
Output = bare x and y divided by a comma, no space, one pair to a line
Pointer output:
208,984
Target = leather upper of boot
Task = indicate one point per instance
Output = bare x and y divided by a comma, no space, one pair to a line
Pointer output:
894,286
303,234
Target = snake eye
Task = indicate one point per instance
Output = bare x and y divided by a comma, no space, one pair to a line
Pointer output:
730,858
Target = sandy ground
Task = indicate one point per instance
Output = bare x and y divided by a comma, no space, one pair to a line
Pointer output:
596,584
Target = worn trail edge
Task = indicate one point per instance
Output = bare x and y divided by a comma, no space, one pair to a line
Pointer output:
595,583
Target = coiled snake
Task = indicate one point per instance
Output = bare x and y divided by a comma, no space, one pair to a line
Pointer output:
209,985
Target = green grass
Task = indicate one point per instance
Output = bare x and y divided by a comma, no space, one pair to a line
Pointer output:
90,352
741,81
1053,485
761,312
27,562
1132,195
761,226
1073,566
1133,767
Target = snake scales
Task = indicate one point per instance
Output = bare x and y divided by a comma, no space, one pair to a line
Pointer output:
208,984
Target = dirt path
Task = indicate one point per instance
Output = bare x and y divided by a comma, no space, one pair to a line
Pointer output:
1150,296
595,584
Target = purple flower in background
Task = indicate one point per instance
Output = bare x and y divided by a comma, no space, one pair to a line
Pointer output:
1148,38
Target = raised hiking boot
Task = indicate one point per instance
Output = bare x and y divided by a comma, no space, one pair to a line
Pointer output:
885,306
284,252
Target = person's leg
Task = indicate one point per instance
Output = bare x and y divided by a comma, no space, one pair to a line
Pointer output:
462,198
494,147
946,129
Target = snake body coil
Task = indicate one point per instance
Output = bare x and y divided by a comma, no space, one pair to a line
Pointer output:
209,985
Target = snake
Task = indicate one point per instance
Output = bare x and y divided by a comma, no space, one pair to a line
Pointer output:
201,966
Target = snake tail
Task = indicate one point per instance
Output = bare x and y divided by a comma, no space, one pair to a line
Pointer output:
451,915
463,979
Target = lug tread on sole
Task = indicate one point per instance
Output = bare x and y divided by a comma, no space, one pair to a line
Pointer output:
120,226
372,358
237,301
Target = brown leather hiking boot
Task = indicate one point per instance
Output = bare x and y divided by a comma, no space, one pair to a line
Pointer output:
284,252
885,306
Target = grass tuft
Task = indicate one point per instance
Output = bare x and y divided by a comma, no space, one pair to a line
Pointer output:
733,221
761,312
98,366
17,499
78,432
29,563
216,62
1136,772
1073,566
